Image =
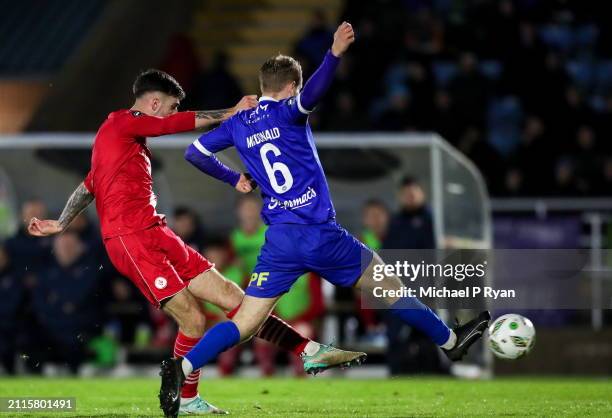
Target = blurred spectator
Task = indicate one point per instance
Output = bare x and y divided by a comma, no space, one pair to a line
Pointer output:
514,182
12,295
415,80
524,68
469,90
444,119
534,159
66,304
566,183
410,228
397,116
29,253
127,313
375,221
412,225
604,184
187,225
474,144
571,114
424,35
214,87
542,88
585,156
604,124
342,116
89,234
250,235
219,253
315,42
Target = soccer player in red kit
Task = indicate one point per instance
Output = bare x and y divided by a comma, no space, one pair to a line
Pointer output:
170,274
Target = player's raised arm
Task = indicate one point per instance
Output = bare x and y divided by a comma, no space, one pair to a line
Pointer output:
145,125
208,118
157,96
201,154
318,84
78,201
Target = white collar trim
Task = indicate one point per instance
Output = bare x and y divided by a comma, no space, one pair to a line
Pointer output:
267,99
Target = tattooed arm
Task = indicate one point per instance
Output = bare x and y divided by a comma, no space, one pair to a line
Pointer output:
208,118
78,201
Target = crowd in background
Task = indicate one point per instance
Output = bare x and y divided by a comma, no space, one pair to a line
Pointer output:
524,87
63,302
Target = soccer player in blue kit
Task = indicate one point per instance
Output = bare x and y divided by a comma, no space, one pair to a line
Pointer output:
276,145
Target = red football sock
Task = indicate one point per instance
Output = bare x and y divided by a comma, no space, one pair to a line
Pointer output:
181,347
279,333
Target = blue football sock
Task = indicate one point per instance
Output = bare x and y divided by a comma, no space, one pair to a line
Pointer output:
416,314
218,339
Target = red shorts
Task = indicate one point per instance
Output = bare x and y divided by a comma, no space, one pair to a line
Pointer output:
157,261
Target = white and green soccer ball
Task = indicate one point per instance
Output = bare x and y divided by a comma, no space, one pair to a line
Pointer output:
511,336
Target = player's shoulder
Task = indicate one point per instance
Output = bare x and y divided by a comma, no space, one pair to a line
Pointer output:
123,115
289,101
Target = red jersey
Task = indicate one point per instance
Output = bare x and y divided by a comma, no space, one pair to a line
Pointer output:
120,175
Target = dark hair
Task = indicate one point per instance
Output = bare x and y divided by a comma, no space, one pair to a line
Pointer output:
409,181
375,203
184,211
216,241
279,71
157,80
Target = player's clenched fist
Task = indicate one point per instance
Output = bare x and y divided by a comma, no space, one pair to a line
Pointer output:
343,37
246,102
246,184
43,228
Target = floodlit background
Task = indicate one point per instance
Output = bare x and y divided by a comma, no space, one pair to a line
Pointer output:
464,124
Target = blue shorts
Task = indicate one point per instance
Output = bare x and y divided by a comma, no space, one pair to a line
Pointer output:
291,250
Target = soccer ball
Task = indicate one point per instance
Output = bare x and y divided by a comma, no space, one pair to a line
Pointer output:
511,336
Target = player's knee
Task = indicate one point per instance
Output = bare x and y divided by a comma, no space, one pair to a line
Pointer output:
199,323
192,321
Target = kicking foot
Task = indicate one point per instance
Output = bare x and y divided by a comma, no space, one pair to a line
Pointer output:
328,357
467,334
172,379
199,407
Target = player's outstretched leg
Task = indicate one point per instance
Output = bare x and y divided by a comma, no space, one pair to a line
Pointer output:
315,356
211,286
454,342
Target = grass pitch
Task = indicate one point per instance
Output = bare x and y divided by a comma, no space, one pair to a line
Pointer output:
333,397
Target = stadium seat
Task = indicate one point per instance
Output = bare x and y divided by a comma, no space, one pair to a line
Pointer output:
557,37
603,76
491,69
582,73
504,120
443,72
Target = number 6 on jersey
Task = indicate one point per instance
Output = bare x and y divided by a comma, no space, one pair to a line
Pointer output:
271,170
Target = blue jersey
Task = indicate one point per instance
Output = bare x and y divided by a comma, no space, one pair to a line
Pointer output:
276,145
